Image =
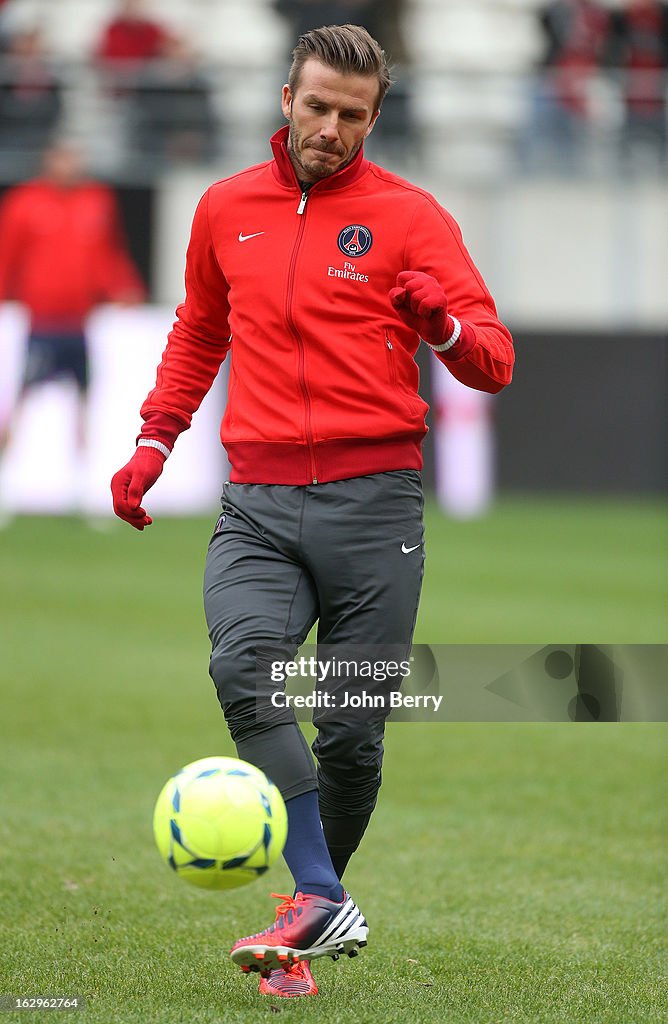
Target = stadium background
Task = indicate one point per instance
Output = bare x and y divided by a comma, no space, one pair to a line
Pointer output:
576,255
533,854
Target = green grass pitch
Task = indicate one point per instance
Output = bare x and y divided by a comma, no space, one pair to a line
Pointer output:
512,872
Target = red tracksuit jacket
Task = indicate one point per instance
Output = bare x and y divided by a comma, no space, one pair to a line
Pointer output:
323,384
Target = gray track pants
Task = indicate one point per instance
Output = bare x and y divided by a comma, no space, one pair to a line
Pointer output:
348,554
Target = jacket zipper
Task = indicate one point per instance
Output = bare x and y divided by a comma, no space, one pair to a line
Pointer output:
300,344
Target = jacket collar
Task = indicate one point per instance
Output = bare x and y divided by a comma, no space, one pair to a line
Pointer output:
284,172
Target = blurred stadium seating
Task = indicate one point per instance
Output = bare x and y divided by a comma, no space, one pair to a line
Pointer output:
472,87
470,72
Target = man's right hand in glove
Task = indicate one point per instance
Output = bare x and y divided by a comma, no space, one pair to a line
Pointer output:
131,483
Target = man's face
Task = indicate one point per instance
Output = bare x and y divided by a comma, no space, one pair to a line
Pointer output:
63,164
330,115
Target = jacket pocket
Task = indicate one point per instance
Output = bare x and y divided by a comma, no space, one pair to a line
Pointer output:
403,388
391,359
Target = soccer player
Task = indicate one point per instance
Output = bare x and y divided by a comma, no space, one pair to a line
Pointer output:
61,253
319,273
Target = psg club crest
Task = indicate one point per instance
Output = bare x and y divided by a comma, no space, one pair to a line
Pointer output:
355,241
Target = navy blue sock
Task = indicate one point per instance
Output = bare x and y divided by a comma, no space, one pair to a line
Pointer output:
306,852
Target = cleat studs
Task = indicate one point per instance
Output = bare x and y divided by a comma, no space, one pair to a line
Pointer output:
335,956
353,952
362,943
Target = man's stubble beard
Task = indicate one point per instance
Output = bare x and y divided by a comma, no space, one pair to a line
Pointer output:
316,170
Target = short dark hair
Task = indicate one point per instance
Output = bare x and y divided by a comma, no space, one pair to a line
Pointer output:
348,49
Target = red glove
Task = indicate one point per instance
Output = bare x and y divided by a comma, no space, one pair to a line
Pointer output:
131,483
421,303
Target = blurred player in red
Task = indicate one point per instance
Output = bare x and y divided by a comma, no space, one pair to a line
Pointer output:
62,252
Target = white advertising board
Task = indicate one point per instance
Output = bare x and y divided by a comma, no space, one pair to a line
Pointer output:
44,471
